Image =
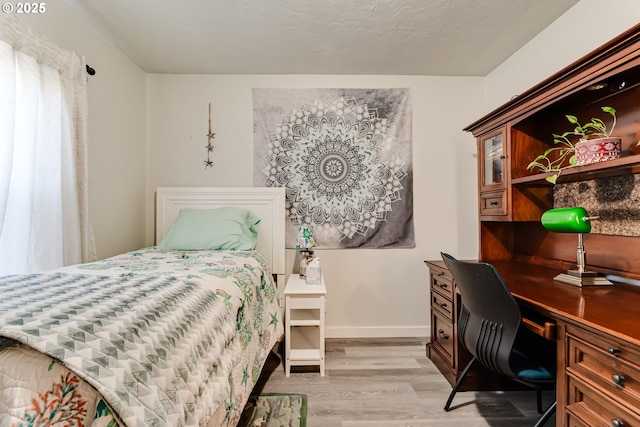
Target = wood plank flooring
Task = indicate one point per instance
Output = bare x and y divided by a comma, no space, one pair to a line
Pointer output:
391,383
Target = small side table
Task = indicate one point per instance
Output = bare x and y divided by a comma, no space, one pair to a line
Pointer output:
304,323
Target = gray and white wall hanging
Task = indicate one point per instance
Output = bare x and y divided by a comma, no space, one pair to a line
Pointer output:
344,156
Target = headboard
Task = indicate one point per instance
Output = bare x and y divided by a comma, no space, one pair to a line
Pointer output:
266,202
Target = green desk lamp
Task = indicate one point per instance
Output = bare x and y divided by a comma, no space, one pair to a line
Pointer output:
574,220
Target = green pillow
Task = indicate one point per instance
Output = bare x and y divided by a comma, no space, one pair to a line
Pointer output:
227,228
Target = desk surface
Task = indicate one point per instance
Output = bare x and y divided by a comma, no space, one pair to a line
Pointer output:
610,309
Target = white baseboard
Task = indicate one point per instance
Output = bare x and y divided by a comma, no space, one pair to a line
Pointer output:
377,332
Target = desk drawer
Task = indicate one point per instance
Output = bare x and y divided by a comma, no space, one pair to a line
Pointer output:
493,203
442,304
588,407
606,365
442,282
573,421
442,338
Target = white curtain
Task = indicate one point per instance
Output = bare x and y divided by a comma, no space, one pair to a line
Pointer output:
44,218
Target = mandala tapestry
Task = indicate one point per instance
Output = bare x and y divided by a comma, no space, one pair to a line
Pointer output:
344,156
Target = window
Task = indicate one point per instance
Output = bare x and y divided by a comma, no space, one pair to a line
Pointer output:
44,220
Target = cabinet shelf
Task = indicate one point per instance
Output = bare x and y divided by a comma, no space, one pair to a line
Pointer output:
305,356
623,166
304,343
308,317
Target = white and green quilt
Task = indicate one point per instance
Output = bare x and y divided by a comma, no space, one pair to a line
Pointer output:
148,338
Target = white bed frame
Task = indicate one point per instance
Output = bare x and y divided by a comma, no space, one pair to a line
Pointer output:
266,202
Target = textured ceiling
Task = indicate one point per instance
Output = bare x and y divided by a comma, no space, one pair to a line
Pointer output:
400,37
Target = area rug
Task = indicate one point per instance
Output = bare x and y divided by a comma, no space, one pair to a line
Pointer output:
275,409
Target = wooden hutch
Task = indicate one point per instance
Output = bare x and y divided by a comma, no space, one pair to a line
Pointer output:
597,328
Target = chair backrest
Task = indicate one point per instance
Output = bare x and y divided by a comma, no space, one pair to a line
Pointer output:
490,315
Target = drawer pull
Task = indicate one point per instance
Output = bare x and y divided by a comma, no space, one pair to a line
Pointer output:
441,274
618,379
548,330
442,335
443,285
493,203
443,305
614,351
617,423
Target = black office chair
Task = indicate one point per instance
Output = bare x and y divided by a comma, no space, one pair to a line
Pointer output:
490,329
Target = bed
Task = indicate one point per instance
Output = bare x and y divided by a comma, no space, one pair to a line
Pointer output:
169,335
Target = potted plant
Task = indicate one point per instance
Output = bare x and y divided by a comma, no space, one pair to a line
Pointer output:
594,144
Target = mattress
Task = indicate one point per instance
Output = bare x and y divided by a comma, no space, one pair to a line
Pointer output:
150,337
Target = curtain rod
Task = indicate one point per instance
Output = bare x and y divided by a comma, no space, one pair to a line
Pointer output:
90,70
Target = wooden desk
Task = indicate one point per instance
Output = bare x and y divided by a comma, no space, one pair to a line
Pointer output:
597,329
598,338
614,310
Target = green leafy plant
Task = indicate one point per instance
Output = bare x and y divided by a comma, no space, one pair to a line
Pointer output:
563,154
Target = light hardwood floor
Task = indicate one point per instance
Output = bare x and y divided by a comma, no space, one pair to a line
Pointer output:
391,383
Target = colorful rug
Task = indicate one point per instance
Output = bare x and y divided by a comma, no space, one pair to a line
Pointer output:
275,409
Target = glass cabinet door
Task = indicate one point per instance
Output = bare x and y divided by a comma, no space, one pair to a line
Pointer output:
492,162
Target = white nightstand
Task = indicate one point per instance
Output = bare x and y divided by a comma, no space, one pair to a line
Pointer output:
304,323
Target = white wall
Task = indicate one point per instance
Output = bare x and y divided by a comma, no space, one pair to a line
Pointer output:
380,292
117,138
583,28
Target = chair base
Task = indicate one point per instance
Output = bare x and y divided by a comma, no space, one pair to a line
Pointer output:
447,406
541,421
547,414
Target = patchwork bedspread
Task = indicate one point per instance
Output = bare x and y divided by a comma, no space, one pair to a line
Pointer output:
164,337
